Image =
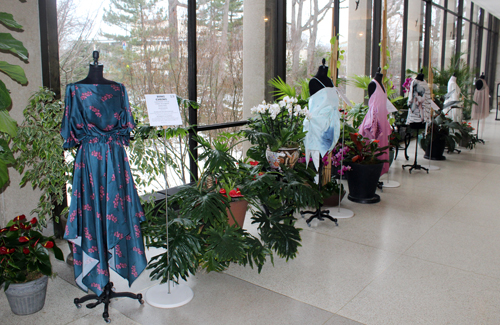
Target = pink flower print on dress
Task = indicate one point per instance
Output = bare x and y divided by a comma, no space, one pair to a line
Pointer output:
139,214
117,116
107,197
74,248
96,111
90,126
73,93
91,179
115,87
72,216
128,125
72,137
93,249
118,201
77,262
109,128
85,95
112,218
127,198
127,177
79,126
138,250
87,233
118,251
77,194
134,271
113,178
87,207
92,197
94,140
121,266
66,231
96,285
79,211
101,192
101,271
96,154
106,97
118,235
137,231
79,165
98,216
128,237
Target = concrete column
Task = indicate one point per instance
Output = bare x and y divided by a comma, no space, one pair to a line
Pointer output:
13,199
254,54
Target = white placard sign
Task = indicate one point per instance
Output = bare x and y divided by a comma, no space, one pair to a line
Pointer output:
434,106
163,110
390,107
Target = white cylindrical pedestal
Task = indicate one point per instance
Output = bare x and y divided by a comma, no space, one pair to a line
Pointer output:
158,296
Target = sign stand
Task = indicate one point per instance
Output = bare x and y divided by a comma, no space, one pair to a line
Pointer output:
163,110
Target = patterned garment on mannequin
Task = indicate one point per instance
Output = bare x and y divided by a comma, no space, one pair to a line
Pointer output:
419,102
105,211
375,125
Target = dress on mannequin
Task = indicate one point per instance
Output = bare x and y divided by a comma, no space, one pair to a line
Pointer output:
105,211
453,100
481,110
419,102
375,125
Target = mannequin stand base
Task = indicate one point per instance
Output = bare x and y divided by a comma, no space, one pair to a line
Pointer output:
391,184
158,296
105,298
341,213
374,199
435,158
319,214
417,167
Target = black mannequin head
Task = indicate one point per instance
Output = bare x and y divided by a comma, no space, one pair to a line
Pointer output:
420,76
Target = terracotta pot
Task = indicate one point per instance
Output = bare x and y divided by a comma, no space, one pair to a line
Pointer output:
239,210
284,156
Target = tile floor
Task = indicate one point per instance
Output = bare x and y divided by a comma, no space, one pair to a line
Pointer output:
426,254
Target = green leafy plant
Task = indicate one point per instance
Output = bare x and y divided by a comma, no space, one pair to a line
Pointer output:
8,126
41,155
24,254
363,150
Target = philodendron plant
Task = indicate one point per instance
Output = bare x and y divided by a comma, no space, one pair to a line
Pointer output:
8,126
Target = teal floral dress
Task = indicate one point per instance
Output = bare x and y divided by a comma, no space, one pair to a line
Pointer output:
105,211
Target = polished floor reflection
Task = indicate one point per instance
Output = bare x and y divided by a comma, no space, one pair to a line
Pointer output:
428,253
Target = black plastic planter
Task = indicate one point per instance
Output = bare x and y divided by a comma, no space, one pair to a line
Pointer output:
437,150
363,181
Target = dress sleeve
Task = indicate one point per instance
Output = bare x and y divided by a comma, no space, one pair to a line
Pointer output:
72,128
128,123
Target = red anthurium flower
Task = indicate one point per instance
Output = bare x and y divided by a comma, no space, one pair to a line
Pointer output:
10,250
4,230
48,244
14,228
376,141
235,193
356,134
261,173
33,221
3,250
254,163
25,227
355,158
21,217
24,239
26,250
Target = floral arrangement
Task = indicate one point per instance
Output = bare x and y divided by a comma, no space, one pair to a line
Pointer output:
24,254
338,155
363,150
407,84
467,126
278,125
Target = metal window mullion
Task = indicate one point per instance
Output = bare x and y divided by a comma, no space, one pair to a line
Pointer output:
405,42
479,41
458,40
427,36
192,88
377,26
444,36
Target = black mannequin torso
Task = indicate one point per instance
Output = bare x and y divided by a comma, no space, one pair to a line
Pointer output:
321,75
372,86
479,82
95,76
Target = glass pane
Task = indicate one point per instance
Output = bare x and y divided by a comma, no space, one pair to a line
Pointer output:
414,51
453,5
219,61
483,50
464,42
439,2
395,40
477,13
451,34
474,48
436,40
466,12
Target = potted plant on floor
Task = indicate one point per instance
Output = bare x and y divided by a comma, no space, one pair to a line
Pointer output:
25,264
364,174
332,191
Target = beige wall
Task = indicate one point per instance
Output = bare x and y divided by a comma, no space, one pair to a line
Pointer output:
13,199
